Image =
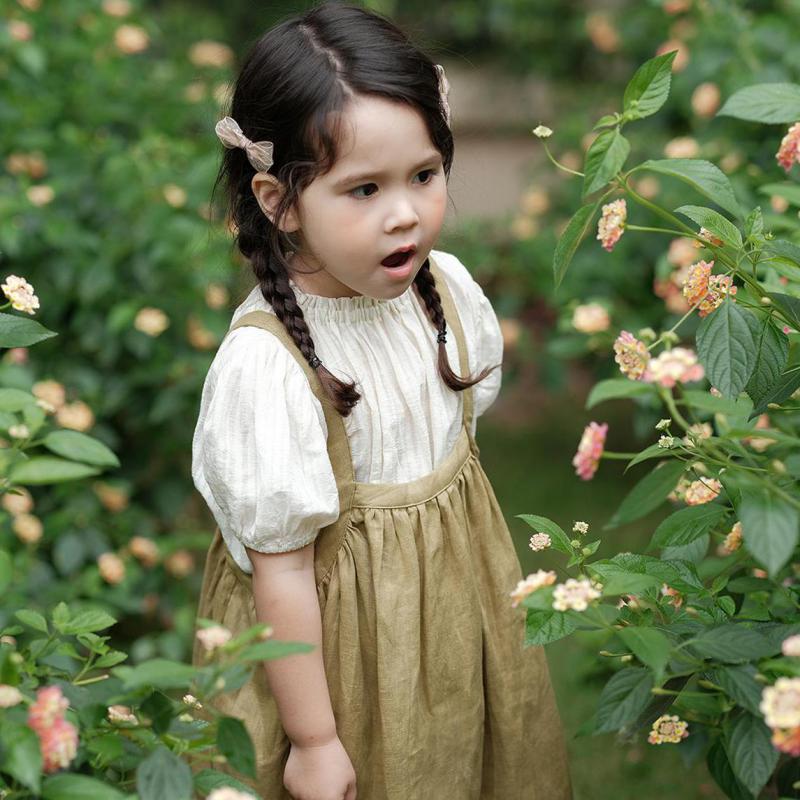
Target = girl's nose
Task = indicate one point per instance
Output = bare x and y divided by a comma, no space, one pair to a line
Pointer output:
403,215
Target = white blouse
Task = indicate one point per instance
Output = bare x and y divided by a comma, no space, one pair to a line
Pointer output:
259,454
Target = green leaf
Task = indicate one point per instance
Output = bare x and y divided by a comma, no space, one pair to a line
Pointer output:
750,751
606,121
739,684
788,191
20,332
32,619
15,400
543,627
769,527
207,780
47,469
157,673
714,222
772,349
787,252
764,102
79,787
623,698
20,756
648,89
721,771
703,176
704,401
78,446
694,552
790,306
732,643
559,539
648,493
568,242
6,570
688,524
650,646
160,710
605,158
88,622
261,651
162,774
235,744
614,388
780,391
726,348
653,451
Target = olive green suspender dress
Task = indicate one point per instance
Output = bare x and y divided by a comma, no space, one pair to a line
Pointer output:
433,693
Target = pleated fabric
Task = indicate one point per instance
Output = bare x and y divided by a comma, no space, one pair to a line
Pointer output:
433,691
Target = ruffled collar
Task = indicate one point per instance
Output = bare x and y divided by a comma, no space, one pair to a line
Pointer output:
359,307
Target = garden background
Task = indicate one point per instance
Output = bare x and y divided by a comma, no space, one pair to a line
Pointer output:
106,134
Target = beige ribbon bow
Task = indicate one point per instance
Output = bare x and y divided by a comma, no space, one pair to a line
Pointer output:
259,154
444,91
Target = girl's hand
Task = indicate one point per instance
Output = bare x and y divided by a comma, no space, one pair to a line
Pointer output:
321,772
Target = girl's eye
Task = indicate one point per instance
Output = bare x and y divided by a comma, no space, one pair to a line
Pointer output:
355,192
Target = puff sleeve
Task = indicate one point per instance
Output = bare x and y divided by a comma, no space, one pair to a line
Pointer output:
259,452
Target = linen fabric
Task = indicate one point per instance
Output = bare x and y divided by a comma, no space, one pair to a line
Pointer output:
259,455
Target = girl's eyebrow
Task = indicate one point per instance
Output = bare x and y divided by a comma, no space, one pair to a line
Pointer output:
363,176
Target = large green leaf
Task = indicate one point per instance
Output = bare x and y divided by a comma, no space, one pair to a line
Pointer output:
726,347
769,527
688,524
15,399
786,252
714,222
20,332
614,388
781,390
162,774
789,306
80,787
650,646
235,744
648,493
764,102
703,176
573,235
732,643
772,349
648,89
623,698
721,771
543,627
605,158
48,469
20,756
158,673
739,684
750,751
77,446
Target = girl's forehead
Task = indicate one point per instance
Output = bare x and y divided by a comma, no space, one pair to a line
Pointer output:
374,132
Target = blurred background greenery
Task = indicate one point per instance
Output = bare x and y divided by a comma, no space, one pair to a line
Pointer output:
107,110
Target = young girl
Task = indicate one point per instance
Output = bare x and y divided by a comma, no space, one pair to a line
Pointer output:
335,443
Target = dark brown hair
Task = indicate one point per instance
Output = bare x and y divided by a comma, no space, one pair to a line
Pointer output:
293,78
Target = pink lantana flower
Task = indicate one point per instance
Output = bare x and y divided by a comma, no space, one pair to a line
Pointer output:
705,289
702,491
678,365
590,449
789,151
539,541
59,745
612,223
536,580
668,728
50,705
631,355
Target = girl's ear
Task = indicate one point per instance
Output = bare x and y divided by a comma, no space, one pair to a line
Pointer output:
268,192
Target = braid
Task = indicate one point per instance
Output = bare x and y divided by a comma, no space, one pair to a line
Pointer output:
426,286
277,291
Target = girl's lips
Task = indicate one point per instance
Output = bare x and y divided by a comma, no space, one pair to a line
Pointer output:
398,258
401,271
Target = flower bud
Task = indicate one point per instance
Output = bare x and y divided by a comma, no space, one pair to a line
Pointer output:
575,543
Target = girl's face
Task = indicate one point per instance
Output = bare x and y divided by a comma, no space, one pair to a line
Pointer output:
386,191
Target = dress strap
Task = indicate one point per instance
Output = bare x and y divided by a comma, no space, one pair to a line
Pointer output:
457,331
338,443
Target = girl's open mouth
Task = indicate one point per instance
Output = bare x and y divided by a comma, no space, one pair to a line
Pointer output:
399,259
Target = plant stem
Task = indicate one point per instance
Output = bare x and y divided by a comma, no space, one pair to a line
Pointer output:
556,163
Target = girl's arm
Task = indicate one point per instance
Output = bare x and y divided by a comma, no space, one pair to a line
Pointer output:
284,587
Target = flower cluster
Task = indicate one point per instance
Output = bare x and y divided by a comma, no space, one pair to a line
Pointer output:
631,355
213,637
539,541
678,365
705,290
580,527
789,151
590,318
612,223
590,449
733,540
791,646
20,293
668,728
536,580
58,739
9,696
780,705
702,491
575,594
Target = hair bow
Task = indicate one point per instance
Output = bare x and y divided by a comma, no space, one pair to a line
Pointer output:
259,154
